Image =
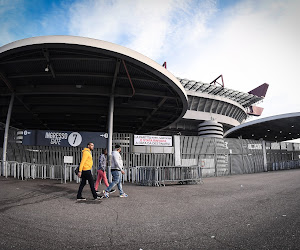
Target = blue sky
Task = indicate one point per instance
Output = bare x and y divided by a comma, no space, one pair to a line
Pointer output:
250,42
27,18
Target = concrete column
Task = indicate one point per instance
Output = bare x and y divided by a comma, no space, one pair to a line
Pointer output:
6,132
215,157
110,134
243,158
110,120
264,155
177,153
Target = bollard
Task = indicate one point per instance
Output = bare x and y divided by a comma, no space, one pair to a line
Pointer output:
65,174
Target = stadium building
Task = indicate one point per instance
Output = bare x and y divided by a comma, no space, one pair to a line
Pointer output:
64,90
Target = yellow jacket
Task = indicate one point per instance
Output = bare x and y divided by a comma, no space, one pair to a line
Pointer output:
86,161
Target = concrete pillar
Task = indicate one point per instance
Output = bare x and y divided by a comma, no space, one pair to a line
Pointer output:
177,152
6,132
110,134
264,155
110,120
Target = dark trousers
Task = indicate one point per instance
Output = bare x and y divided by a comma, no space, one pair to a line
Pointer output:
86,176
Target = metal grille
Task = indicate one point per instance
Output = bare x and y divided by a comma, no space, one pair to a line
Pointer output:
246,156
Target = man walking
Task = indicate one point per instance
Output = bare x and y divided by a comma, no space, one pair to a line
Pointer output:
85,172
117,170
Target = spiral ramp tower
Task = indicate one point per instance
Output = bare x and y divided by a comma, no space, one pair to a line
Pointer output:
210,129
214,130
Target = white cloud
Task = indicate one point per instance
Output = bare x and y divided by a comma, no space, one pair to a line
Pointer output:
153,28
252,45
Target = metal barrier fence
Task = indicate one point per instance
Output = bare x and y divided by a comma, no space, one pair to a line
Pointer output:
188,175
69,174
285,165
148,176
160,176
26,170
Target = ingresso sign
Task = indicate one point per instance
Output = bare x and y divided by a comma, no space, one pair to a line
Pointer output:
153,140
64,138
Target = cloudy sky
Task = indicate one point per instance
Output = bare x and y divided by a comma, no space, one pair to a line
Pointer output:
249,42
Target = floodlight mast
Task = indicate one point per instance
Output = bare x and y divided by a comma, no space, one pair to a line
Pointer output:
215,81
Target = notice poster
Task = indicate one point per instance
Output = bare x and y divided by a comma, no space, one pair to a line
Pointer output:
152,140
255,146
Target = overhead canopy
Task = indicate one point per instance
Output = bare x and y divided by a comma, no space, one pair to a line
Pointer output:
275,128
65,82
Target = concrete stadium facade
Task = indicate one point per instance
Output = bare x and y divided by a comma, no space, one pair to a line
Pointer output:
212,102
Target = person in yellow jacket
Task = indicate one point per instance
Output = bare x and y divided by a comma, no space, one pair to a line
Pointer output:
85,172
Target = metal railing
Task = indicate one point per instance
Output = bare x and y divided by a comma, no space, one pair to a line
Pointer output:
159,176
26,170
283,165
141,175
69,174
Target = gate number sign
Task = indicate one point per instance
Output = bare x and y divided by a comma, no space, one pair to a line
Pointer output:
64,138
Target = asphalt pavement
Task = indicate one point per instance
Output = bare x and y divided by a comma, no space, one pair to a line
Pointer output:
253,211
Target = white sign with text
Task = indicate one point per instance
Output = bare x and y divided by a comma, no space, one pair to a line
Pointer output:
254,146
153,140
68,159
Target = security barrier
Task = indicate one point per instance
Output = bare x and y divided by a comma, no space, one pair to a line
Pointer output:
160,176
26,170
149,176
283,165
69,173
188,175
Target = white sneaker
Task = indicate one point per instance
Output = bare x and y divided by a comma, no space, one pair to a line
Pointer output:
106,194
123,195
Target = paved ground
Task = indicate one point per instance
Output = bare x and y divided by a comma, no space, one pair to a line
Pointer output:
257,211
